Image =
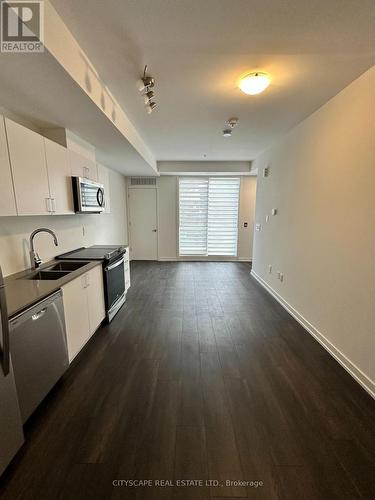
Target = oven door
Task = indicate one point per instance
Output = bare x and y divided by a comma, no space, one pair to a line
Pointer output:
115,283
88,196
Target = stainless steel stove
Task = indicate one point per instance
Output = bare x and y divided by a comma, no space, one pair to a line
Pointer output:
112,257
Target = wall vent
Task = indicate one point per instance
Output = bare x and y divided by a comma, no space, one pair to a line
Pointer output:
143,181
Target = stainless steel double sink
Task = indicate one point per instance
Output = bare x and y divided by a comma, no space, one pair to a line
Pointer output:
56,271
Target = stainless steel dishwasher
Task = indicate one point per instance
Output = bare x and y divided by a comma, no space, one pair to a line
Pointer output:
39,351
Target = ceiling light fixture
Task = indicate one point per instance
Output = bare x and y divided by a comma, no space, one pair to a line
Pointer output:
144,85
150,107
254,83
230,124
148,96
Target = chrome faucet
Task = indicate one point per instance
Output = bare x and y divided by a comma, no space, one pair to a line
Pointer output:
34,257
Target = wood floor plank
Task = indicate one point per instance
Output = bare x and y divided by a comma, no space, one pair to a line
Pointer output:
202,374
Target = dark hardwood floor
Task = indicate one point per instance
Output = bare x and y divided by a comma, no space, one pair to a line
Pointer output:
202,375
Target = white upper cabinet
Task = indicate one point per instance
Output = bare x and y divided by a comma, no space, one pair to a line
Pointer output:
28,164
82,167
103,178
7,197
59,177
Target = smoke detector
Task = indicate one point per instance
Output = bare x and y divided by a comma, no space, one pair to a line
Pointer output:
232,122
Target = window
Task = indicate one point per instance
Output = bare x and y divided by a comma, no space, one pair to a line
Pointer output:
208,208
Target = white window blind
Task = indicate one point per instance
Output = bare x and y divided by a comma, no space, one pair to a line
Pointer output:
209,215
222,227
193,216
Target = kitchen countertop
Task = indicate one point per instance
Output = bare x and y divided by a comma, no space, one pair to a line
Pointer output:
23,293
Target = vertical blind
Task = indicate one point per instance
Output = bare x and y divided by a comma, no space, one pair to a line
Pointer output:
208,215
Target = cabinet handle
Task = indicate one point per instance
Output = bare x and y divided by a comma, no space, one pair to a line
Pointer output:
48,205
87,280
53,202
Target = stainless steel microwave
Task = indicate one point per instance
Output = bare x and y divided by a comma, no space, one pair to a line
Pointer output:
88,196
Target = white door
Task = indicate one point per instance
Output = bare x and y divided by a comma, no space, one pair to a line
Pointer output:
143,224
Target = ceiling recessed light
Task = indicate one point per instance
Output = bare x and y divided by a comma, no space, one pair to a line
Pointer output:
254,83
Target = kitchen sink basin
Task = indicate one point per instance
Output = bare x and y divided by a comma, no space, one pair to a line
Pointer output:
66,266
47,275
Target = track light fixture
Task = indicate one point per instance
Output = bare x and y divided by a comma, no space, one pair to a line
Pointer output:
145,85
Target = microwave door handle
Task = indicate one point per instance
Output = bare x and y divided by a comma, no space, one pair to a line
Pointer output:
5,355
100,197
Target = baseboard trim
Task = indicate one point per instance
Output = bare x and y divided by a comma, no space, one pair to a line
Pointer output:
350,367
197,259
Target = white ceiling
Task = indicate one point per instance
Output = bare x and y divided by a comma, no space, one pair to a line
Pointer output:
36,88
197,49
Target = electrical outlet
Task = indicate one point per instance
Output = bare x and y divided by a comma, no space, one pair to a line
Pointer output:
281,277
270,269
83,230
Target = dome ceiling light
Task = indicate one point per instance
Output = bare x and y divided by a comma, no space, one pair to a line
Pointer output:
254,83
145,86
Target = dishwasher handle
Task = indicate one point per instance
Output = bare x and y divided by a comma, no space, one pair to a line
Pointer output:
5,350
39,314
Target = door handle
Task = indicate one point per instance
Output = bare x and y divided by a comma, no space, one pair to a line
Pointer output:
39,314
154,230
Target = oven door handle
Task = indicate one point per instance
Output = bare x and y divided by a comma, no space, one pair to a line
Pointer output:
116,264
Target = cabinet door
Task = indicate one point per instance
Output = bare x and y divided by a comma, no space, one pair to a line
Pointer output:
76,315
82,167
7,197
103,178
28,164
59,176
95,297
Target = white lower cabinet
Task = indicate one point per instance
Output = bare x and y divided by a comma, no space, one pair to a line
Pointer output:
84,308
95,297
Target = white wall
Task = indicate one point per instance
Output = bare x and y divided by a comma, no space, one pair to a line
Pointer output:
322,181
168,217
72,231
